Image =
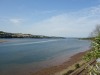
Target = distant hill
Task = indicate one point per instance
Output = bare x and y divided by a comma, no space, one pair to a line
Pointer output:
89,38
20,35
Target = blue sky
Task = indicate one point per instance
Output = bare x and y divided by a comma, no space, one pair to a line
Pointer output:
68,18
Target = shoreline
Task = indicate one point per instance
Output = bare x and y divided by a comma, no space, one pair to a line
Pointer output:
2,41
54,70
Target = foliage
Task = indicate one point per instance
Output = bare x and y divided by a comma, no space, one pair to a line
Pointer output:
77,66
95,52
69,72
96,31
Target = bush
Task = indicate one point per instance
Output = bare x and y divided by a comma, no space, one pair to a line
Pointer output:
68,72
77,66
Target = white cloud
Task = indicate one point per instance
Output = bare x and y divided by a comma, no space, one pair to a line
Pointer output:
79,23
11,21
15,21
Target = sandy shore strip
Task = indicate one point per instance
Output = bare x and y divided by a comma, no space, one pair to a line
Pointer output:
1,41
54,70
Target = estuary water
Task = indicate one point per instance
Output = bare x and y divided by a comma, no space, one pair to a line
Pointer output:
24,56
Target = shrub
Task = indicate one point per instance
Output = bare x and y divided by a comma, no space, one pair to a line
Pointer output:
68,72
77,66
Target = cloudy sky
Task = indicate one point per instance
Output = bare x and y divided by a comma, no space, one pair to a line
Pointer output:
68,18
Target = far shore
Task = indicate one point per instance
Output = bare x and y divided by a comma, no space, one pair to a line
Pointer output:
60,69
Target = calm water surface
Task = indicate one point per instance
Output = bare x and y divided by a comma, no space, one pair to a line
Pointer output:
23,56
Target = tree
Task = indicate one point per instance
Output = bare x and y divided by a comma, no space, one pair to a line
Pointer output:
96,31
95,52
